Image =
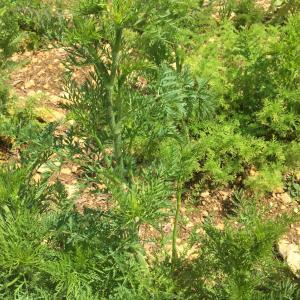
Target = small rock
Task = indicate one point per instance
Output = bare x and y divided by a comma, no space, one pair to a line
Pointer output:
192,253
15,58
70,189
293,259
290,252
200,231
31,93
253,172
220,226
286,198
37,177
57,163
204,194
205,213
71,123
29,84
40,73
101,186
55,99
48,115
296,210
66,171
189,225
74,169
224,195
283,246
27,53
61,50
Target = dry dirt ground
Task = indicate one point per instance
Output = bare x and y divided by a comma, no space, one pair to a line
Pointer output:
42,75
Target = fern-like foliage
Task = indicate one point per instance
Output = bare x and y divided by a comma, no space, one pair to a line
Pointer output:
9,31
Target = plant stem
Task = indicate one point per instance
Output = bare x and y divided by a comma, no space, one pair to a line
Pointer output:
176,220
111,109
178,59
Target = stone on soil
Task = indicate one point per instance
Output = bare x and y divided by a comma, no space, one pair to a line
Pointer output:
205,194
291,254
48,115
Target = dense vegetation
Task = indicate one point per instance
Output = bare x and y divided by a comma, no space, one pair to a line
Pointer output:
180,97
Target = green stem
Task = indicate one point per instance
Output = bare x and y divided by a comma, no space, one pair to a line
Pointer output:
176,221
111,109
178,59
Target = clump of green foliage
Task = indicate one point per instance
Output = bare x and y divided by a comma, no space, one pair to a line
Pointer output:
256,79
4,98
9,31
29,25
243,13
40,23
171,97
62,253
239,262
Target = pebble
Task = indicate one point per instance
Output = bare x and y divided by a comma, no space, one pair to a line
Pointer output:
74,169
200,231
220,226
70,189
224,195
204,194
66,171
205,213
189,225
29,84
286,198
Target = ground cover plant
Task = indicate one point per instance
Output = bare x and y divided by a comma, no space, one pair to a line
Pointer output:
168,104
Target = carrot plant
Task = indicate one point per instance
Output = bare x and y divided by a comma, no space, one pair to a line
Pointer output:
9,31
164,96
135,41
122,43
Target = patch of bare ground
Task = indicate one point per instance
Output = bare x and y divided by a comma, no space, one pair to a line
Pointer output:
43,72
265,4
42,78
